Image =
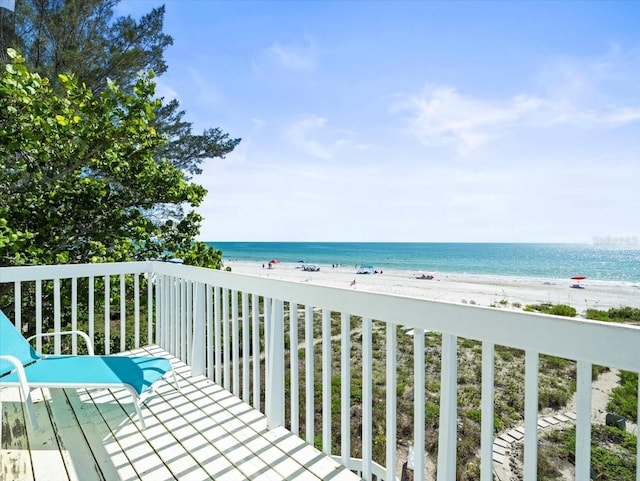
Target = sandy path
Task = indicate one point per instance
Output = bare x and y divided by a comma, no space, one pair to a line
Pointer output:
600,393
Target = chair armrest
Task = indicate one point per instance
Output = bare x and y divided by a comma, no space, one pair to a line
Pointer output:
82,334
24,387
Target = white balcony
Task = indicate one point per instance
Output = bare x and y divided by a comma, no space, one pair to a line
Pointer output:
248,400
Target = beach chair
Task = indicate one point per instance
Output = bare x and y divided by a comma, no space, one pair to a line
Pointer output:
21,366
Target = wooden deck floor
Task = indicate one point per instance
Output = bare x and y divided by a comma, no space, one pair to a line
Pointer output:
202,433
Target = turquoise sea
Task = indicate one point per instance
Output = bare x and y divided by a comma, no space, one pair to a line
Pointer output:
596,262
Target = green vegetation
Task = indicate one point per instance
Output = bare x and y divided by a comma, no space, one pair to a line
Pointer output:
624,315
79,177
554,309
557,385
613,453
92,167
624,398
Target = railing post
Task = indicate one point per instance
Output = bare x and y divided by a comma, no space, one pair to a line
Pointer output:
226,345
92,306
182,307
345,386
74,314
17,302
123,314
150,277
326,381
190,305
209,342
295,382
638,450
39,315
107,314
235,340
198,339
161,310
367,398
448,409
488,389
57,317
391,396
246,337
274,405
419,404
255,355
174,322
158,306
217,343
583,422
309,373
136,310
530,415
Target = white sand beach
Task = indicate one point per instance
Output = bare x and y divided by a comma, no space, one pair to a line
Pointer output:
484,290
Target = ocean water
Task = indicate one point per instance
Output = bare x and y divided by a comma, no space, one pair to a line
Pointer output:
596,262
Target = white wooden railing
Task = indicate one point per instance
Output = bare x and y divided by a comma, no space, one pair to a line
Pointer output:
232,328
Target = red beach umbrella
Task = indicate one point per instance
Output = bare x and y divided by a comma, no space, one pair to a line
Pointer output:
577,285
274,261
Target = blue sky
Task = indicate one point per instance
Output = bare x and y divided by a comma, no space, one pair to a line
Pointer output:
415,121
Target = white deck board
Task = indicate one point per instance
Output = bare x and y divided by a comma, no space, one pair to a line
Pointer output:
200,433
15,462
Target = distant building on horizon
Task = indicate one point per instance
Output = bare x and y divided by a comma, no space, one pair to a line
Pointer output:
608,240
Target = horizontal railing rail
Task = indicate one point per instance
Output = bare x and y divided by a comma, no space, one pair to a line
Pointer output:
46,297
313,358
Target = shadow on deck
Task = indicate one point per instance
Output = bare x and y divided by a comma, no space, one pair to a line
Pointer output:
202,433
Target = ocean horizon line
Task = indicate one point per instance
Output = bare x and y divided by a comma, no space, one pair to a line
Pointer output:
541,260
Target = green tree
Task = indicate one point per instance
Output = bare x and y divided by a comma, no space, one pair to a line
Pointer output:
79,176
82,37
183,148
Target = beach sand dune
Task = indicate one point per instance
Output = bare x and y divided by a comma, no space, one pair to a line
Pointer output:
483,290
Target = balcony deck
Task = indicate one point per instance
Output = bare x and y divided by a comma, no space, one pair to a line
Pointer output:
202,433
236,328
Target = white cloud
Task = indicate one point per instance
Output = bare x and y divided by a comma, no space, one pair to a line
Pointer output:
205,89
301,57
595,93
257,123
312,136
440,115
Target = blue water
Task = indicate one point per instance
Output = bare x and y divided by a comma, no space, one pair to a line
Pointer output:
607,263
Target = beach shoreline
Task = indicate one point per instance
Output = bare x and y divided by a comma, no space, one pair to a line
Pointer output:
484,290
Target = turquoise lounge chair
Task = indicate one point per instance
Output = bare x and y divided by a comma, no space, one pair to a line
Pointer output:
22,366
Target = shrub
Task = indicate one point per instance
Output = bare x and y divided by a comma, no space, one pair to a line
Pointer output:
613,452
597,315
432,413
615,314
474,415
556,310
563,310
624,314
624,398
